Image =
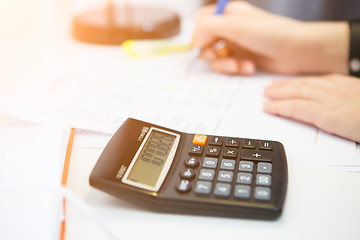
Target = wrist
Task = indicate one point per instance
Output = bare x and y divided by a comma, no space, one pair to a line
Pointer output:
325,47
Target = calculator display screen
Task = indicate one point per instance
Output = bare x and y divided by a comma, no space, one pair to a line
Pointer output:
152,160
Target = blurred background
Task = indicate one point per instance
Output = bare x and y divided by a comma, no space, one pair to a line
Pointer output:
40,30
21,18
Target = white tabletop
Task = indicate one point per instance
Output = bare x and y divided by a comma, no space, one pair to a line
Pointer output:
320,204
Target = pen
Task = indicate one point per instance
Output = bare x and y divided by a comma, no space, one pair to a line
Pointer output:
220,6
220,46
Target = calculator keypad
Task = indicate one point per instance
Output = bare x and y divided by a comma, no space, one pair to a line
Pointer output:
228,168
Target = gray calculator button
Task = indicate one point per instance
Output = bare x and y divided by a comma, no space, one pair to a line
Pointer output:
264,167
242,191
203,187
210,162
225,176
262,193
207,174
227,164
244,178
246,166
222,189
263,179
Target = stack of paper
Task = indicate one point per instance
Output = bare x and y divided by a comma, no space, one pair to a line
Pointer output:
31,165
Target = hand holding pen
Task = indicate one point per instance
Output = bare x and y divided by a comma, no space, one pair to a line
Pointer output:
256,39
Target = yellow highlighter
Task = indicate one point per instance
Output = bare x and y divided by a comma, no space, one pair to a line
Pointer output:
152,48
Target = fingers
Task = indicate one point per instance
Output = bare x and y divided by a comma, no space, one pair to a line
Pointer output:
307,99
310,88
217,50
208,54
302,99
222,60
334,107
299,109
233,66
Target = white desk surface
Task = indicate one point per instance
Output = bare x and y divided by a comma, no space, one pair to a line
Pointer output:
320,204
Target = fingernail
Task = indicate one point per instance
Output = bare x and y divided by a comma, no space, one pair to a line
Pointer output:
277,82
267,107
248,69
193,41
228,67
208,55
267,89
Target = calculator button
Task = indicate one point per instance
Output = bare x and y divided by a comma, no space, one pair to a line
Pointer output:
244,178
232,142
217,141
264,167
227,164
249,154
242,191
203,187
207,174
230,152
199,139
247,143
188,174
222,189
213,151
262,193
246,166
225,176
196,149
192,162
263,179
210,162
184,186
265,145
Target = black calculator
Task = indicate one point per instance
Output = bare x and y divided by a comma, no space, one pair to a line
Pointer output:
171,171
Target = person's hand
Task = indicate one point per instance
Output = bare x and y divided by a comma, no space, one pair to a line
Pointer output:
330,102
258,39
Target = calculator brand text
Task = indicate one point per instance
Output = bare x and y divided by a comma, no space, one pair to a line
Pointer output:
121,172
144,130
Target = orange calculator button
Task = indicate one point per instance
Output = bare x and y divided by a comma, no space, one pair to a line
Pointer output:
199,139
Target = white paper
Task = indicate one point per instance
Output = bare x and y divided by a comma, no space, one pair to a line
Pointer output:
175,91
